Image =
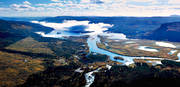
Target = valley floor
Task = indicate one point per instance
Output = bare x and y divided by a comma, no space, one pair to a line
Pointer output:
141,48
28,59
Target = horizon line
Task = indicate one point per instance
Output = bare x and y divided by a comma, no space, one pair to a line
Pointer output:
85,16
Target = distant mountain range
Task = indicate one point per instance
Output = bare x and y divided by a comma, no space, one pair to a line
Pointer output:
21,18
175,16
167,32
154,28
133,27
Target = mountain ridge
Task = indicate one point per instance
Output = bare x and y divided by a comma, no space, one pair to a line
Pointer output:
167,32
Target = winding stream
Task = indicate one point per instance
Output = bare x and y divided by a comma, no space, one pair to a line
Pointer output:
91,41
90,77
127,59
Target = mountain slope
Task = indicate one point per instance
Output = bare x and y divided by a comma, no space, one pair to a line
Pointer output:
12,31
167,32
23,52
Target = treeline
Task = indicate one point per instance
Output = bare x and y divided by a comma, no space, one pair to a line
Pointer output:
141,75
118,76
94,57
61,76
66,48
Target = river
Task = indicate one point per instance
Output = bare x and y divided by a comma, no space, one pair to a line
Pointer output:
92,44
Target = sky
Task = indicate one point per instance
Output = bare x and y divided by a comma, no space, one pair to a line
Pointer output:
39,8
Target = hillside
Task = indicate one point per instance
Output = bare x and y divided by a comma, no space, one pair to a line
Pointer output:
23,52
166,32
12,31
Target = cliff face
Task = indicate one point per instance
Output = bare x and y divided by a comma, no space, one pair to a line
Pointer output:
167,32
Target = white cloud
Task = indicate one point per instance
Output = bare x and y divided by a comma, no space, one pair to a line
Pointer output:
95,28
26,6
51,4
115,9
174,2
21,7
4,10
55,0
145,1
85,1
107,8
26,2
119,1
103,1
